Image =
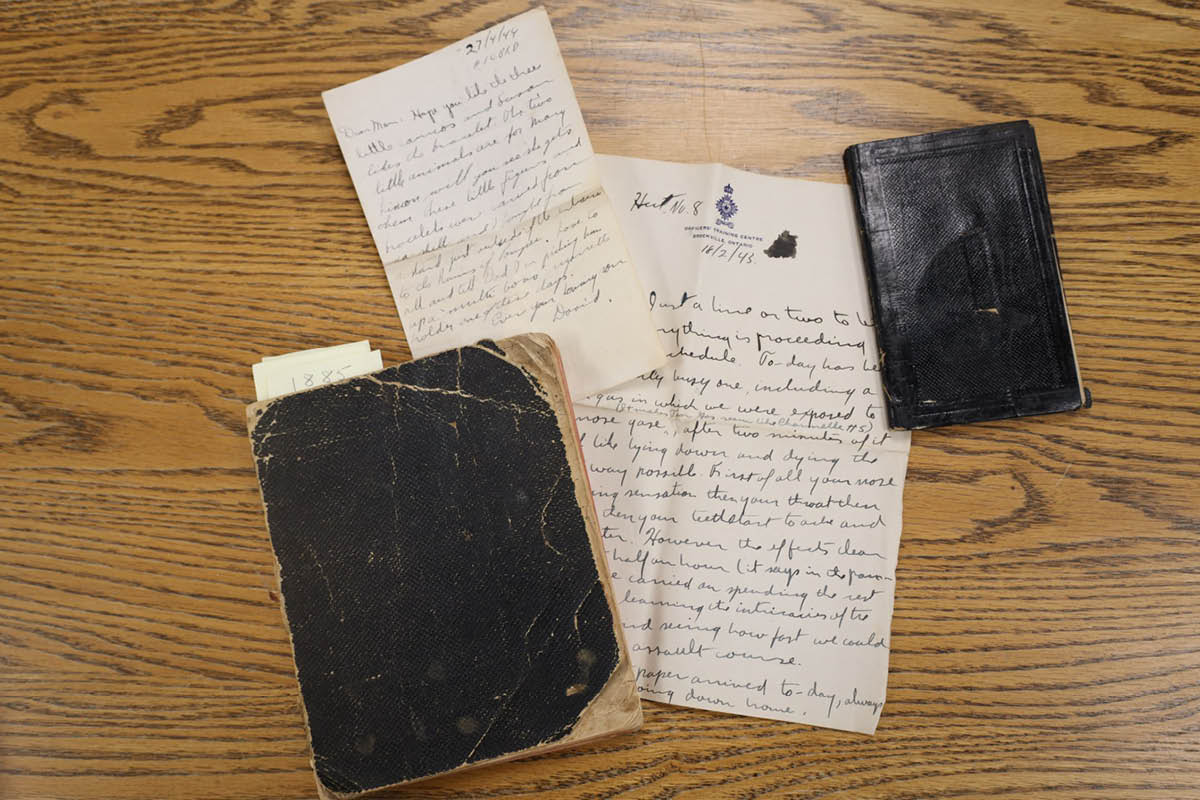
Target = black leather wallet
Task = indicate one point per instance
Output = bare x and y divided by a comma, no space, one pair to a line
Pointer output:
961,262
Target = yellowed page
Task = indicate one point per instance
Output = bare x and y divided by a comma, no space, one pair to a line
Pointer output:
479,185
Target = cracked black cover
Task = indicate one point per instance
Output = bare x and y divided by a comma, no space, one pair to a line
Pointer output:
438,580
963,270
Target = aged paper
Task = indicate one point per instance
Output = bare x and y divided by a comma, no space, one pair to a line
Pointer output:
749,490
480,187
304,369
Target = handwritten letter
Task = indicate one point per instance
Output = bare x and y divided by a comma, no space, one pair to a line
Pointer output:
749,491
480,187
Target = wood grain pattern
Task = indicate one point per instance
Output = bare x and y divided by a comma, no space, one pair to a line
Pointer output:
173,206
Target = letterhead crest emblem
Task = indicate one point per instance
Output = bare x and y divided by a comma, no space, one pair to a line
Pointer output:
726,207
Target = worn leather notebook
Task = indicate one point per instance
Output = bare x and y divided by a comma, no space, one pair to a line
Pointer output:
441,568
969,309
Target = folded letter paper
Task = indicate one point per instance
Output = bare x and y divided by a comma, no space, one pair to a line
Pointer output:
481,190
749,491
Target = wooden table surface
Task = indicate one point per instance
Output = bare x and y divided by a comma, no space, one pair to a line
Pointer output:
173,206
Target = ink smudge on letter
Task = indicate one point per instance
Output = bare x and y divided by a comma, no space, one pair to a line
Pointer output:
784,246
